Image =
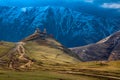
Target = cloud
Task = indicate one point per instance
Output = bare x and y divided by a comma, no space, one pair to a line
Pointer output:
89,1
111,5
23,9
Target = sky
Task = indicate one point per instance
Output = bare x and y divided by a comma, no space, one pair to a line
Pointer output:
32,2
113,4
97,6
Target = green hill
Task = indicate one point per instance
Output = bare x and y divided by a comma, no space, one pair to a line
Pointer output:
37,49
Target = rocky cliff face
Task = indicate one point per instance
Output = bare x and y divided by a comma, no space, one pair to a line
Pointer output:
69,27
106,49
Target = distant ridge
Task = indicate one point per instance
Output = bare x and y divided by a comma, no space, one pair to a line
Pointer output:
69,27
106,49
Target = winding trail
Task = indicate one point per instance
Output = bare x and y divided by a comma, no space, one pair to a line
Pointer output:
21,51
19,48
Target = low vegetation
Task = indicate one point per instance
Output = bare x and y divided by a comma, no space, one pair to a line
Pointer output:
46,60
81,71
41,75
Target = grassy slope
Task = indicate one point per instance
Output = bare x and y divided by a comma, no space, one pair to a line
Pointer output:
98,69
5,47
41,75
61,72
48,53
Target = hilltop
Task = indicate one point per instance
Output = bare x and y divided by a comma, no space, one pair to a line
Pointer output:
37,49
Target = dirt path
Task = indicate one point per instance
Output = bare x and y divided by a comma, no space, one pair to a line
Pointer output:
20,50
103,76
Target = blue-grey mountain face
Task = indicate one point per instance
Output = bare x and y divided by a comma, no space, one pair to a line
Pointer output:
69,27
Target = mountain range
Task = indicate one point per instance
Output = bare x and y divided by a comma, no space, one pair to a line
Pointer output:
59,40
69,27
106,49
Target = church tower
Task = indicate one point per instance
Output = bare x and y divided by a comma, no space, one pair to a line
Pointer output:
37,30
45,31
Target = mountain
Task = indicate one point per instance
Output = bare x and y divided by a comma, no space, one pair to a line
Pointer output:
35,50
69,27
106,49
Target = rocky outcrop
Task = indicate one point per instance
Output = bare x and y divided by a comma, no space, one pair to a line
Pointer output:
106,49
